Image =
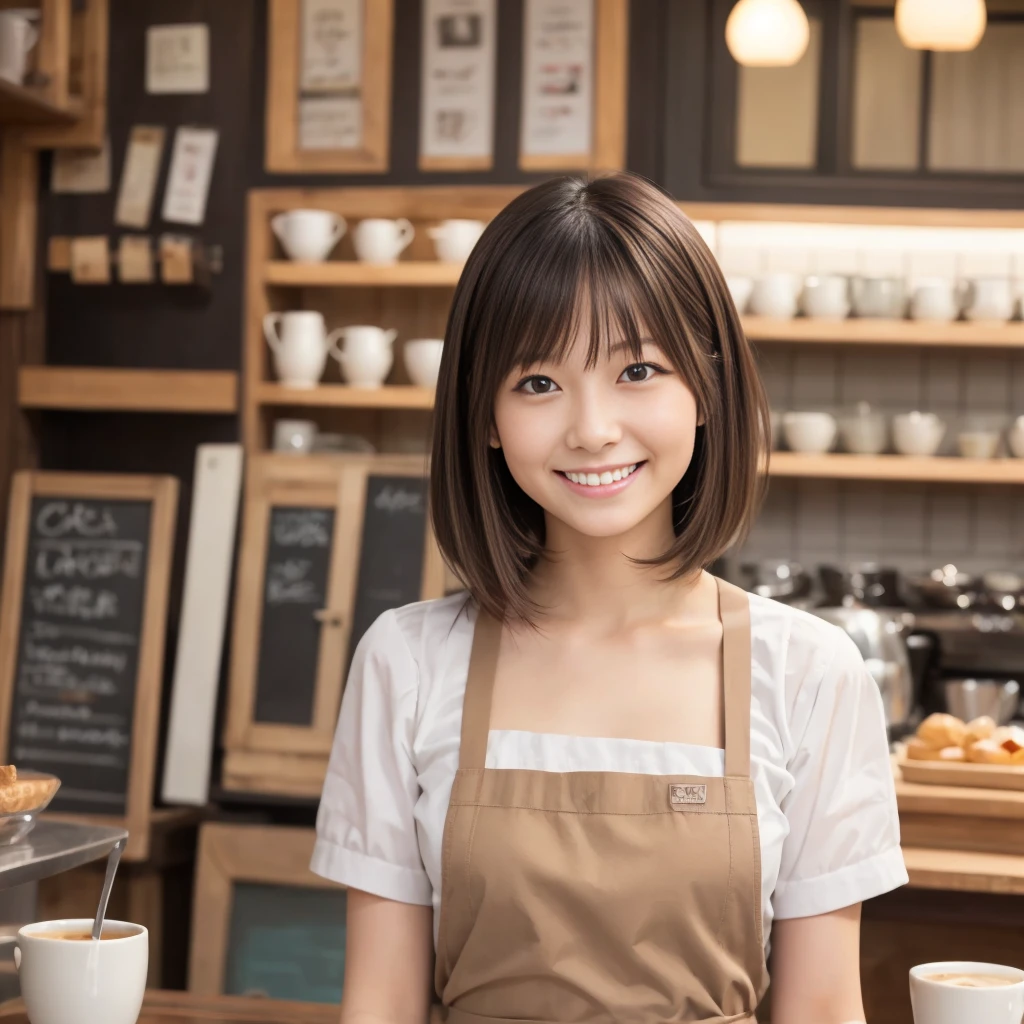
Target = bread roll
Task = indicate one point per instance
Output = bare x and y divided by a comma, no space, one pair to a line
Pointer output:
979,729
26,794
1010,738
8,773
918,750
941,730
988,751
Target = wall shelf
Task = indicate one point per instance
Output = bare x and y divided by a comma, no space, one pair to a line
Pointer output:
126,390
344,396
936,469
960,333
350,274
22,105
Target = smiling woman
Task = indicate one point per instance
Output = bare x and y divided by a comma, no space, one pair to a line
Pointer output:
592,787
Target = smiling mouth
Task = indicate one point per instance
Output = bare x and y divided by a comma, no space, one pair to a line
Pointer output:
605,482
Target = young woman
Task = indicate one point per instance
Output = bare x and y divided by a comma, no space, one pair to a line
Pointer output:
587,790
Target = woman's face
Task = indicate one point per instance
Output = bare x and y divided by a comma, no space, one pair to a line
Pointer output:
602,448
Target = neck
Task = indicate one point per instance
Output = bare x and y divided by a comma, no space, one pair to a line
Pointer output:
593,579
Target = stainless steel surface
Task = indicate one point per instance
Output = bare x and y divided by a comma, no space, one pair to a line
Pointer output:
879,636
971,698
946,587
113,859
781,580
865,583
53,847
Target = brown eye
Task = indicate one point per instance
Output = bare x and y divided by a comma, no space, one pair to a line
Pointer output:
537,385
637,372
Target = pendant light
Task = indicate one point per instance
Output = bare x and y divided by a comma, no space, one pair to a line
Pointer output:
941,24
767,33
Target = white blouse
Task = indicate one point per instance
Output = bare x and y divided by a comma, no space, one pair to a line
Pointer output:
826,802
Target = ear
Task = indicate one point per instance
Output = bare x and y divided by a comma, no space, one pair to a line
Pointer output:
494,441
701,419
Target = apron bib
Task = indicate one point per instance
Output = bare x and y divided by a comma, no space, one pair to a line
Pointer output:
601,896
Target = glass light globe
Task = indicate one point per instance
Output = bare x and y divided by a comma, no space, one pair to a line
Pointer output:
941,24
767,33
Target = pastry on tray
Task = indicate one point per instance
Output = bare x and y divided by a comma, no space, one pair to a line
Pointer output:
918,750
942,737
27,793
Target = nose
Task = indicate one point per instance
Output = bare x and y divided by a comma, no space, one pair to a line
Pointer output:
594,424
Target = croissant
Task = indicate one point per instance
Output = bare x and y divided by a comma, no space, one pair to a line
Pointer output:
939,730
25,794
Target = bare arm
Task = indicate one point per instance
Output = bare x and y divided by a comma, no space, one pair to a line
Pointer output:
816,969
389,957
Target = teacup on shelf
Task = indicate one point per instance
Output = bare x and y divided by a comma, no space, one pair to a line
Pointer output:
935,299
917,433
810,433
775,295
878,297
826,297
454,238
740,288
978,444
308,235
381,241
422,357
863,431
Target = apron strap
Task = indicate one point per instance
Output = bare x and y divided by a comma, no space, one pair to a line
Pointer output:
476,705
734,608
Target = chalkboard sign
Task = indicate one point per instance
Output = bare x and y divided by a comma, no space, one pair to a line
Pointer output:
298,561
81,645
391,556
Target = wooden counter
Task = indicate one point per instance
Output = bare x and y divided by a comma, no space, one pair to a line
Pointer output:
162,1007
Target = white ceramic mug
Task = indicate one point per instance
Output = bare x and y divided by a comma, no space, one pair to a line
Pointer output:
75,981
978,444
878,297
989,298
935,299
308,235
454,239
300,343
938,1002
366,354
917,433
294,436
864,431
1015,437
381,241
810,433
775,295
18,35
422,358
740,288
826,296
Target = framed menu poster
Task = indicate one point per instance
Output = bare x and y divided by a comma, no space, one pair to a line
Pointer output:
328,85
573,110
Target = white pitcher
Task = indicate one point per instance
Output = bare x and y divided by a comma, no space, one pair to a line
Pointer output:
381,241
454,238
308,235
300,343
366,354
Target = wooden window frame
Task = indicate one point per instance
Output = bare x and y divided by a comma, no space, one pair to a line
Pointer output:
162,492
282,154
228,855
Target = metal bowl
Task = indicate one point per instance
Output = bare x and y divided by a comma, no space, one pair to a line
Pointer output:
866,583
970,698
777,579
946,588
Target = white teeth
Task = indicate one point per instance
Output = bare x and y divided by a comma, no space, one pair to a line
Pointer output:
599,479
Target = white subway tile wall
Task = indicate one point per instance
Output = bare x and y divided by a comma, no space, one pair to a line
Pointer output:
911,526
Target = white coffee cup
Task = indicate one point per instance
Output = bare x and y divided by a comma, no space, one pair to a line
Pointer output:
308,235
917,433
809,433
422,358
938,1002
878,296
864,431
826,296
18,35
76,981
381,241
989,298
740,288
454,239
300,343
294,436
775,295
935,300
978,444
365,355
1015,437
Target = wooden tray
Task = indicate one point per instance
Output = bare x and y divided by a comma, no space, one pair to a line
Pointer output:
963,773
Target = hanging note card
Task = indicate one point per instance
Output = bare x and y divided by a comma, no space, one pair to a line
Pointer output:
81,171
90,260
139,175
188,183
135,259
178,59
457,88
176,259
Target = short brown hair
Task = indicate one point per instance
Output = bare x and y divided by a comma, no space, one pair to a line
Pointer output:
616,251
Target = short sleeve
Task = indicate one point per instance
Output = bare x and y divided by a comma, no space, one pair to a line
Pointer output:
365,828
843,845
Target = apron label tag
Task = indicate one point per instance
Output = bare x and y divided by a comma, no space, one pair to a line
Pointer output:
687,795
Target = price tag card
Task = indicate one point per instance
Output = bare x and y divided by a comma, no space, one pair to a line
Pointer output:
135,259
138,178
90,260
188,184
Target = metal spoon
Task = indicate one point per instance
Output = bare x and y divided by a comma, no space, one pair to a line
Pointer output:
108,883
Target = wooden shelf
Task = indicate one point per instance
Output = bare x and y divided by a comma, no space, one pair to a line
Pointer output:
127,390
21,105
885,332
937,469
964,871
397,396
350,274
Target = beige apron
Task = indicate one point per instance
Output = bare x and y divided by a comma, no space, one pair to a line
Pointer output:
602,896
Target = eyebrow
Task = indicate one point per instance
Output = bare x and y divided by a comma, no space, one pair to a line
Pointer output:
620,345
